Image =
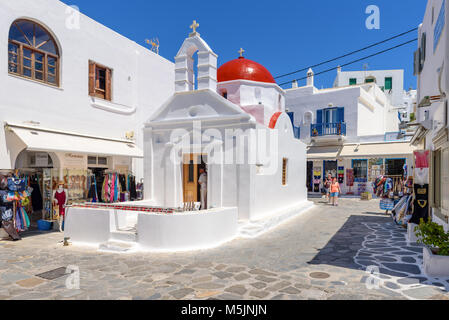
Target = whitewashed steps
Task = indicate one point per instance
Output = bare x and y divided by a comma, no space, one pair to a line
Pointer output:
124,236
117,247
252,229
121,241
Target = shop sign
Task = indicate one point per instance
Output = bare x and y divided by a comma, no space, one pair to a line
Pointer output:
74,160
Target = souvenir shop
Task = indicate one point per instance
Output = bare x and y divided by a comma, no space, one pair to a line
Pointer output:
356,174
20,196
407,199
50,181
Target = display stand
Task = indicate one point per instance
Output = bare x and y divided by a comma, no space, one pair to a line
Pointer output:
50,212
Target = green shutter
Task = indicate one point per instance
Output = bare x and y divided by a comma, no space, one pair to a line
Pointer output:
388,83
352,81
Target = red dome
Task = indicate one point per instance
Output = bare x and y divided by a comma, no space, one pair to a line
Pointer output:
244,69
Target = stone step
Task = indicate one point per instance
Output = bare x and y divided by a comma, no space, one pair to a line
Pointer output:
116,247
252,229
124,236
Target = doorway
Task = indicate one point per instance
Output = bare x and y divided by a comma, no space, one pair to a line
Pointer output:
309,176
330,167
191,172
99,178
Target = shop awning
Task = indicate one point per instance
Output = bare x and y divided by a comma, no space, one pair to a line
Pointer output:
377,150
39,139
323,152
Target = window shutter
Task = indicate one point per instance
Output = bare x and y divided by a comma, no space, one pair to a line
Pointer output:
319,116
423,48
416,63
388,83
341,114
91,78
108,84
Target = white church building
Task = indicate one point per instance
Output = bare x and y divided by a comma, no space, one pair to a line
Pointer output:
230,122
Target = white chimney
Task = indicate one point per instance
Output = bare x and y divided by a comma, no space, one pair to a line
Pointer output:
295,84
310,80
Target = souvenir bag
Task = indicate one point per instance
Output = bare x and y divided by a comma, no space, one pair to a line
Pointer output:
16,184
386,204
3,196
9,228
27,221
25,201
11,197
6,214
19,221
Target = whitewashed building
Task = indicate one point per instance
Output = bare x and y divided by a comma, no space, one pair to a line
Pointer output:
432,71
230,122
352,127
389,81
74,93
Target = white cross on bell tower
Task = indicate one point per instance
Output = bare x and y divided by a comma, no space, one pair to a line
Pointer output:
193,27
206,77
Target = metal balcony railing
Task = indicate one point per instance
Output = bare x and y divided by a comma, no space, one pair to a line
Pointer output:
328,129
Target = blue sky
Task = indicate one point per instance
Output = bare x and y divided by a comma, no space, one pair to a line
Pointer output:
282,35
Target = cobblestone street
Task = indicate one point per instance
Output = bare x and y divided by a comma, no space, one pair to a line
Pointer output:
322,254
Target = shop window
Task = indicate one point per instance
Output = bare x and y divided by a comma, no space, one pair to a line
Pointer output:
100,81
352,81
284,171
33,53
100,161
360,168
394,167
91,160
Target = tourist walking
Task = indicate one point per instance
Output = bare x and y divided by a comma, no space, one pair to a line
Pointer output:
326,186
335,191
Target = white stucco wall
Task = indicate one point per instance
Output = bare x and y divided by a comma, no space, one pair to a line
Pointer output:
270,195
141,79
429,84
428,79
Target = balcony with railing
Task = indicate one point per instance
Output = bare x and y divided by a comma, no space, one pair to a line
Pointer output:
328,129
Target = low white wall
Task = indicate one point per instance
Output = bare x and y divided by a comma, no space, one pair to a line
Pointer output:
186,231
90,226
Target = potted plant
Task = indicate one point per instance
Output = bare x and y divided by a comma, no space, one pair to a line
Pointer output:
436,249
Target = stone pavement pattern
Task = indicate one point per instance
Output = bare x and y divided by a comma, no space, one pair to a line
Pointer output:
314,256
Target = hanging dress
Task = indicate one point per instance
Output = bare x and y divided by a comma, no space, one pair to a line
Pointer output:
61,197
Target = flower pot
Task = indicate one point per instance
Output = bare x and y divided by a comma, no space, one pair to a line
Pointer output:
434,265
